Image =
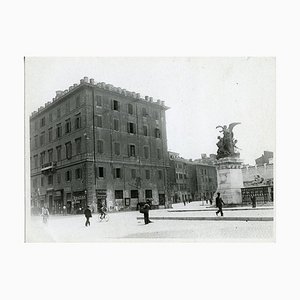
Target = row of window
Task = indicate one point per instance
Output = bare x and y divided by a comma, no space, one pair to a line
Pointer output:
101,173
133,194
115,105
118,173
182,187
206,179
68,152
68,178
131,127
42,121
100,149
181,176
131,150
57,131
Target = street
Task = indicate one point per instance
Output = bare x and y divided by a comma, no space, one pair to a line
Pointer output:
124,226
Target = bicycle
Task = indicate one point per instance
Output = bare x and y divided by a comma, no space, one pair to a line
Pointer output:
103,217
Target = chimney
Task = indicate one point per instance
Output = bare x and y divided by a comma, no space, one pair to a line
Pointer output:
86,79
75,84
92,81
70,87
138,95
65,91
81,81
158,102
163,103
150,99
146,98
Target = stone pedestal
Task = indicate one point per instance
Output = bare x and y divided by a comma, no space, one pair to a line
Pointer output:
230,179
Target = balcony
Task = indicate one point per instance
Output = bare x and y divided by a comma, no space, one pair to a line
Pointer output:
48,167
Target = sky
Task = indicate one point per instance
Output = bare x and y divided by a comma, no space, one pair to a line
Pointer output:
202,93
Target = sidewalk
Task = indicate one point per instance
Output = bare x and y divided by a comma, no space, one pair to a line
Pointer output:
211,218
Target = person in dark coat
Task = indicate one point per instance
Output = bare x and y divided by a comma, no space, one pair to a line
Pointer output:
88,215
253,200
146,209
219,203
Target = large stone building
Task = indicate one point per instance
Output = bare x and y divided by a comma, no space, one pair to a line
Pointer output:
191,180
97,143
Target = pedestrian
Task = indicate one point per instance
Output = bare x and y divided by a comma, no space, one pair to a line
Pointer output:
146,209
45,214
253,200
219,203
88,215
183,200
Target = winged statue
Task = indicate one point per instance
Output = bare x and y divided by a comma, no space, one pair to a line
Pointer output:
227,144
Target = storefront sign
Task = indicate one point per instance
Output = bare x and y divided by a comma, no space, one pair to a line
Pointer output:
77,196
101,193
81,197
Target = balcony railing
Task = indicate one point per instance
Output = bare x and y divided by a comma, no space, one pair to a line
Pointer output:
48,167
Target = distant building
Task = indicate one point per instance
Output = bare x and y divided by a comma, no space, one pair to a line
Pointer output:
258,180
266,158
208,160
191,180
95,143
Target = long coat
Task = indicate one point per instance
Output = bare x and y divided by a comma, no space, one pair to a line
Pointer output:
219,202
88,213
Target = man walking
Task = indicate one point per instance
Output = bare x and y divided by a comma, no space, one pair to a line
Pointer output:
219,203
146,209
88,215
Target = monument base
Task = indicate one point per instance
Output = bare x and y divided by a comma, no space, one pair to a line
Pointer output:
230,179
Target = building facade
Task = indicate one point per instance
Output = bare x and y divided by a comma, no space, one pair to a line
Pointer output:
191,180
259,180
97,143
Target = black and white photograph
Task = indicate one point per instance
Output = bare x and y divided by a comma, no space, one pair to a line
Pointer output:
149,149
158,149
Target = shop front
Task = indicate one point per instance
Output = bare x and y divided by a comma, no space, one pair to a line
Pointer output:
263,194
49,200
58,202
101,198
79,201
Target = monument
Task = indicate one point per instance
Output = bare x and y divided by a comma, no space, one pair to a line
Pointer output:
228,164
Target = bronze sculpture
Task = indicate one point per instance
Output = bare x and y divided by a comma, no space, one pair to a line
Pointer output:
227,143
